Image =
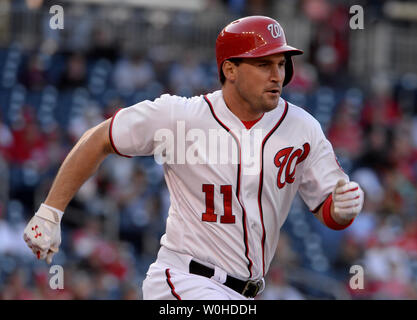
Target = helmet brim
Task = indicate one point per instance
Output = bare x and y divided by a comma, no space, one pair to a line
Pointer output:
265,51
270,50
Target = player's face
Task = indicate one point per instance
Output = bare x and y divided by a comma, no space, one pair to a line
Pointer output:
259,81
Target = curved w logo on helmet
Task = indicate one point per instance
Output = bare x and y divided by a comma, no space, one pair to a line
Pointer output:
275,30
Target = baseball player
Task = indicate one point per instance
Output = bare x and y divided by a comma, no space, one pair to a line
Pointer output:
226,210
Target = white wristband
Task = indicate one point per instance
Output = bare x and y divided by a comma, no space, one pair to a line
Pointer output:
49,213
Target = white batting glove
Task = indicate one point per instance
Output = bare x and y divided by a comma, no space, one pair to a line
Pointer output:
347,199
43,233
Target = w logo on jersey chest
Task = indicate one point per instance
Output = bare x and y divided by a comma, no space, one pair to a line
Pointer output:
286,160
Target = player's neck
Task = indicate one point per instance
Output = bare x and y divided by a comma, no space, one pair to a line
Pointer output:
238,106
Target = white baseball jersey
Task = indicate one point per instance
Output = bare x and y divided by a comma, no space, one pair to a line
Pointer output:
231,188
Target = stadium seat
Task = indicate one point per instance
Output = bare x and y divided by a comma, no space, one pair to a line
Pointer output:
47,107
16,102
99,76
11,67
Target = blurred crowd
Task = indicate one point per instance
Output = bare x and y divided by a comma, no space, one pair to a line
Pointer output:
111,230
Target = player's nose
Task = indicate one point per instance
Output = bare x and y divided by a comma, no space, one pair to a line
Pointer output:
277,73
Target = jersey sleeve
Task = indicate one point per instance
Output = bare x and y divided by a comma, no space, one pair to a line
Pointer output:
132,129
322,170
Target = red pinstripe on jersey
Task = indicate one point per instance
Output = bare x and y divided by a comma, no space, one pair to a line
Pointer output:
245,232
261,183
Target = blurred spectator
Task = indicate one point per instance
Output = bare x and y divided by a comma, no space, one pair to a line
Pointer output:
16,287
133,73
305,78
375,153
134,218
81,29
6,140
407,241
403,155
187,77
414,131
42,289
316,10
400,194
4,185
82,285
329,46
279,289
345,133
11,229
75,74
257,7
381,109
389,273
34,76
131,292
277,285
371,185
28,141
90,117
103,44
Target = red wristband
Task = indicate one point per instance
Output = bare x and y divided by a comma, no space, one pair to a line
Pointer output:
327,216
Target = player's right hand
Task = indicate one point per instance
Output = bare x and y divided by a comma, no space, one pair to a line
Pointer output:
43,233
348,199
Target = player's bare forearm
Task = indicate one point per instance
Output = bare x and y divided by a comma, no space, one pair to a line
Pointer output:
80,164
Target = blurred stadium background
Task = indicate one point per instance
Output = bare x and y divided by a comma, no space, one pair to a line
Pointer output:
54,84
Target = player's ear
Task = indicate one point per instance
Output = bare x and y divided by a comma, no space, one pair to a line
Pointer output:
229,70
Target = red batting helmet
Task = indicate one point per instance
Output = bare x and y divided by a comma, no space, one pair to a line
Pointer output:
252,37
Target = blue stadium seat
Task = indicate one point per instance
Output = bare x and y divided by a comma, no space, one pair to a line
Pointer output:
33,99
11,67
55,67
154,90
17,100
4,102
297,98
108,95
3,55
70,103
63,108
99,77
326,102
47,107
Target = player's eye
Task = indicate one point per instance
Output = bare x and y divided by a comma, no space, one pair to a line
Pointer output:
262,64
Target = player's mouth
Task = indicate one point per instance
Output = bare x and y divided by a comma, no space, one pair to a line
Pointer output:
274,91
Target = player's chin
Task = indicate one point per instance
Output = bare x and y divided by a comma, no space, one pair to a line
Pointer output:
271,101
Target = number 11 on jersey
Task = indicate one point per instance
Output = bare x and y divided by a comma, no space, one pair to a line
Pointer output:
209,215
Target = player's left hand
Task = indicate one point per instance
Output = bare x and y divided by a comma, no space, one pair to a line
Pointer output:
348,199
